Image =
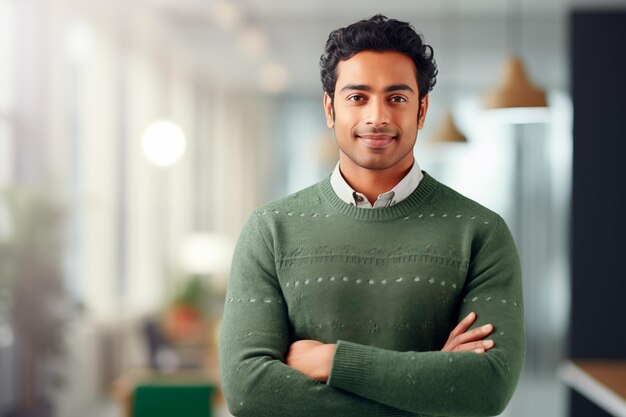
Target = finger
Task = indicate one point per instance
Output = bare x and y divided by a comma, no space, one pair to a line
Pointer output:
481,350
463,325
474,334
482,344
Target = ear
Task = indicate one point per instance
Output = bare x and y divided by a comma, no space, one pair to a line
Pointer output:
328,110
422,113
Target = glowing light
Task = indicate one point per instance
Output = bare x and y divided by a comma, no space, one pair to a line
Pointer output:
163,143
225,14
207,253
79,41
252,42
273,78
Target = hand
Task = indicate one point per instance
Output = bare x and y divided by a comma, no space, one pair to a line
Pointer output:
312,358
461,340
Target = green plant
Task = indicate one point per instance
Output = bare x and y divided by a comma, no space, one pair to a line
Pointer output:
31,250
191,294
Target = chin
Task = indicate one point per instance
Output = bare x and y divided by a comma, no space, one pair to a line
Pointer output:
376,165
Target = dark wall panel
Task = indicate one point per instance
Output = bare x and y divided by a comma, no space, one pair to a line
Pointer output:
599,193
598,75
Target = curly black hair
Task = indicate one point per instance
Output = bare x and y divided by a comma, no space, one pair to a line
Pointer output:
378,33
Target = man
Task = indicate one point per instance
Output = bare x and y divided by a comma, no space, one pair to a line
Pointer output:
344,298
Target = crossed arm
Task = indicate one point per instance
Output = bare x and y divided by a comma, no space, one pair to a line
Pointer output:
314,359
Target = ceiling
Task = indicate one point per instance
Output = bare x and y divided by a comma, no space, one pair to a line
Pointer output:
470,38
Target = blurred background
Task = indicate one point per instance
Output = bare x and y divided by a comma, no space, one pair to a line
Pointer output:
137,136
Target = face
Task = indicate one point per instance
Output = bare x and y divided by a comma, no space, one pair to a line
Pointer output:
376,107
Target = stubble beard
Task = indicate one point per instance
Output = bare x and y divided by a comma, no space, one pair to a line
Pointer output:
372,163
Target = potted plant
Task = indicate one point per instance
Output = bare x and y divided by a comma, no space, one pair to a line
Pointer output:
31,245
184,317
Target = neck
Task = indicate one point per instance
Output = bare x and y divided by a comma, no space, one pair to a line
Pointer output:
373,182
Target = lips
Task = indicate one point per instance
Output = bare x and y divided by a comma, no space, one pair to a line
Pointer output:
376,141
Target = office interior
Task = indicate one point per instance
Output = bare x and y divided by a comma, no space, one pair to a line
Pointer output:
137,136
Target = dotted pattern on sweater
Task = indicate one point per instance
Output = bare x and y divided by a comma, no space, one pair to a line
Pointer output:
372,282
297,214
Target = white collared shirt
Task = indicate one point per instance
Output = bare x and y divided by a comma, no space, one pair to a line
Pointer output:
402,190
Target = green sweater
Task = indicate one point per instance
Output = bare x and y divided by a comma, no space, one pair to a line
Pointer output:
388,286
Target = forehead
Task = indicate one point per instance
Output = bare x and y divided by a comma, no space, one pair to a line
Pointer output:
376,68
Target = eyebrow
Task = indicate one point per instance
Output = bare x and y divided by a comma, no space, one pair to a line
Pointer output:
363,87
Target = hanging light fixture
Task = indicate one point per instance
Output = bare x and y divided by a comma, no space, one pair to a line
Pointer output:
515,90
447,130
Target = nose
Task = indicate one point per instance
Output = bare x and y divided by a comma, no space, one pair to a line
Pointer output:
377,113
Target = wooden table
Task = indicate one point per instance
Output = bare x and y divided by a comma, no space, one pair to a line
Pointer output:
601,381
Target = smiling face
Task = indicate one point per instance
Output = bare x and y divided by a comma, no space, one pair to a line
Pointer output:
376,106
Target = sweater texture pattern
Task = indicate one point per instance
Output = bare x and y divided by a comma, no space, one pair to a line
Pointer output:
387,286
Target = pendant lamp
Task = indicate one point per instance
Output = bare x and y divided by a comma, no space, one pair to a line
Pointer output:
447,131
515,89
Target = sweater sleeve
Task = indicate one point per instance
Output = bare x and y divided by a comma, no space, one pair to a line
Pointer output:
452,383
254,341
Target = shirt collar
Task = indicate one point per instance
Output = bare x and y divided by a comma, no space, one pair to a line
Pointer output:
401,191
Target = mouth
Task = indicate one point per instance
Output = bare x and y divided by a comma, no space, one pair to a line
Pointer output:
376,141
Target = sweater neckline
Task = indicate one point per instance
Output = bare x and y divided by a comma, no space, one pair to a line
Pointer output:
426,186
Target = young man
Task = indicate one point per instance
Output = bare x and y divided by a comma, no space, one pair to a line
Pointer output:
344,298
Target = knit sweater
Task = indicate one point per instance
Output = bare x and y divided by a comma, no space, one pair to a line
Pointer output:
387,286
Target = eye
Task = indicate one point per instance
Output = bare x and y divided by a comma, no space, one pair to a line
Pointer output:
356,98
397,99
